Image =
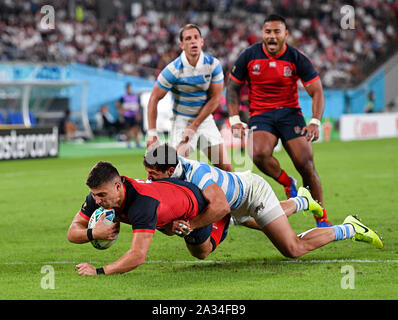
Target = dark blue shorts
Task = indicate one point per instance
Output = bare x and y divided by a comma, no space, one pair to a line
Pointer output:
198,236
284,123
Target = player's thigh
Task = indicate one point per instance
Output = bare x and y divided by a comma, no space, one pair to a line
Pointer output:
209,135
261,143
198,242
264,205
300,151
177,130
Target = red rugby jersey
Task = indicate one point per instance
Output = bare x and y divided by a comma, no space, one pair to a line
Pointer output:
272,80
148,206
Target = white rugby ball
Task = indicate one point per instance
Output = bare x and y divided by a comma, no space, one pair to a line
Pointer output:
108,220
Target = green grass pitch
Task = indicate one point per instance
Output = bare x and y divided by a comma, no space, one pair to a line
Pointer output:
39,199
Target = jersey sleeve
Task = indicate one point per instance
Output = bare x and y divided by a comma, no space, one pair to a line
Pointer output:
305,69
88,207
143,215
166,78
202,177
217,75
239,70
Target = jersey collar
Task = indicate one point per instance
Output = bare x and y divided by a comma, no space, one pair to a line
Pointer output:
186,63
271,57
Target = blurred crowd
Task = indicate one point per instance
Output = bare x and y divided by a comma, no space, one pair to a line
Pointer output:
141,37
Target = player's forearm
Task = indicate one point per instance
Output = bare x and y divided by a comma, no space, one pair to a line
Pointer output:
152,113
211,214
315,91
129,261
206,110
318,105
77,234
233,98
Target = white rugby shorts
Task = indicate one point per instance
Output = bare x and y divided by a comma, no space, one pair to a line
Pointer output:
207,134
260,202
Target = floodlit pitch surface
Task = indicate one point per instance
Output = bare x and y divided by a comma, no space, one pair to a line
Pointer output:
39,199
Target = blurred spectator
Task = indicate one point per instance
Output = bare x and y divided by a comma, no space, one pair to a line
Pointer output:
141,41
67,129
106,123
370,103
130,107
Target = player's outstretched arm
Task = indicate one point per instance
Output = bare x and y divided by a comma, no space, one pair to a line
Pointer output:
129,261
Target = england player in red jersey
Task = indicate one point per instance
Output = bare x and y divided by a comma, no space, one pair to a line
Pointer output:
272,69
147,207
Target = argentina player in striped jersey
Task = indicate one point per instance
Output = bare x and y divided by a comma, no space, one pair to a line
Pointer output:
251,197
195,80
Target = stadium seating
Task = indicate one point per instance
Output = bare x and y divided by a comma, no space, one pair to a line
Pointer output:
16,118
142,42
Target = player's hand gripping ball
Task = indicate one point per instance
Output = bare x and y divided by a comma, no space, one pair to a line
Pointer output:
110,218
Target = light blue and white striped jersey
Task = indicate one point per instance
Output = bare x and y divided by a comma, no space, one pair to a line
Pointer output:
188,84
203,175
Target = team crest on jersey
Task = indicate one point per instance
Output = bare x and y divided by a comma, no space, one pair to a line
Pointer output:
256,69
259,208
207,77
287,71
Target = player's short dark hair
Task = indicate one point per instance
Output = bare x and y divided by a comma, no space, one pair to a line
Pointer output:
161,158
276,17
188,27
102,172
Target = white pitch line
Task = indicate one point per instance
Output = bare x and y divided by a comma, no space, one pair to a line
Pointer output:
216,261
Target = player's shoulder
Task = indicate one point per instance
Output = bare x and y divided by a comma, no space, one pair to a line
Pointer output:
209,59
174,66
254,51
294,54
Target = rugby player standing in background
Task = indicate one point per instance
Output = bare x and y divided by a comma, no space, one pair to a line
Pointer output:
272,69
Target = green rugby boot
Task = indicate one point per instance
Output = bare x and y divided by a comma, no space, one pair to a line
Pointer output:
313,206
363,233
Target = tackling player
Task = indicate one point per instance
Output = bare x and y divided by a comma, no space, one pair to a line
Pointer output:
249,195
146,206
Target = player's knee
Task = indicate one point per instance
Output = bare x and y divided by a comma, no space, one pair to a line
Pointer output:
305,167
200,255
225,166
260,158
293,250
200,251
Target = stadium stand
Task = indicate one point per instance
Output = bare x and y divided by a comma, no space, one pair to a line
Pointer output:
140,38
